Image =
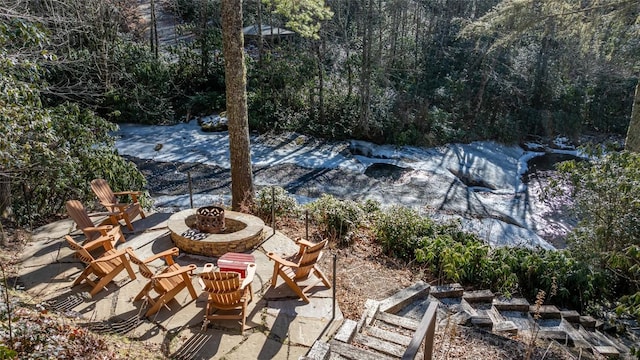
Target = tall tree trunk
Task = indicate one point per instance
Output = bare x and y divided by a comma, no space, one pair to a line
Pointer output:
204,43
319,53
153,33
365,75
236,88
260,38
633,133
5,193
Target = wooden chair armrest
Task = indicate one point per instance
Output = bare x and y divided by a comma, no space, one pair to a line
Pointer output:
104,240
103,213
280,260
167,253
184,269
304,242
102,228
248,279
112,256
129,192
134,194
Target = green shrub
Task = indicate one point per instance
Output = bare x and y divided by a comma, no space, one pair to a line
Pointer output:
340,218
604,191
53,154
508,270
454,255
275,199
398,229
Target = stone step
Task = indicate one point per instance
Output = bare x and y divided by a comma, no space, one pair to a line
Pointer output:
355,353
387,335
380,345
545,311
609,352
397,301
512,304
522,320
319,351
477,296
482,321
398,321
565,335
588,322
346,332
447,291
596,338
571,316
506,327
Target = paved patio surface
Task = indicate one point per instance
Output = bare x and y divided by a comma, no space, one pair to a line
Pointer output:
279,325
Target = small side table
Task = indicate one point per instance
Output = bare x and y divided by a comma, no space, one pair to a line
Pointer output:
237,262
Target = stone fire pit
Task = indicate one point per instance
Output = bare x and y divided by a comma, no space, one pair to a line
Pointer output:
242,232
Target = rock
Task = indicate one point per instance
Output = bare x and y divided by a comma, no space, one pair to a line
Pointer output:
213,123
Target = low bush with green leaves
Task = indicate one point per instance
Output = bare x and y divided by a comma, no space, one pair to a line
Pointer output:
49,154
508,270
398,229
454,255
340,218
275,200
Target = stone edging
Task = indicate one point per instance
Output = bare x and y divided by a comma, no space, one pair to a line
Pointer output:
216,245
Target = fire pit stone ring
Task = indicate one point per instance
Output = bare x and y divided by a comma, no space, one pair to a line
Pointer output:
242,232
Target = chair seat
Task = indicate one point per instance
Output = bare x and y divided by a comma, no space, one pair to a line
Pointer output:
105,268
166,283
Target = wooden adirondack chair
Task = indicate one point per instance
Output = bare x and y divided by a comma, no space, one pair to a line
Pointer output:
297,268
104,268
109,199
225,292
166,283
79,214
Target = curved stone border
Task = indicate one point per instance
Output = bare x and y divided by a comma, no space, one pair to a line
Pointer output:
216,245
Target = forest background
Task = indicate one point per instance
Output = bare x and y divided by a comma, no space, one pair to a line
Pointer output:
401,72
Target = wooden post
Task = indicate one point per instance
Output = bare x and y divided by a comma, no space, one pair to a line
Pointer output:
190,189
306,224
333,308
426,331
273,209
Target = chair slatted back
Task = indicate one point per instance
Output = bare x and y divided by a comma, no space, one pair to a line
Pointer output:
144,269
223,287
308,258
81,252
79,215
103,191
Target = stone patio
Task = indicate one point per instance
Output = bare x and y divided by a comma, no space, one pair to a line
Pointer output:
279,325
